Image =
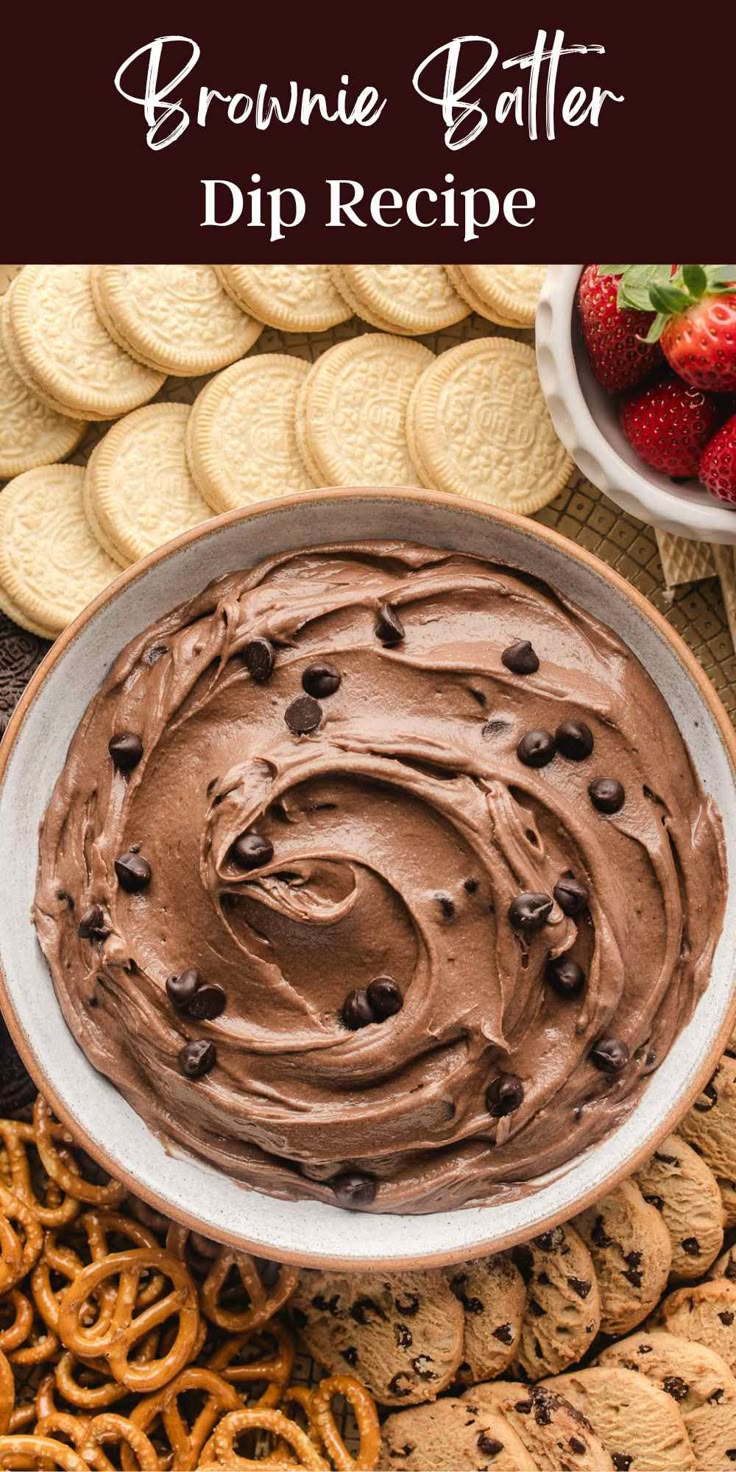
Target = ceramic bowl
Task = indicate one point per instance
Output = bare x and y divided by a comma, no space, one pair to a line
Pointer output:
586,420
30,761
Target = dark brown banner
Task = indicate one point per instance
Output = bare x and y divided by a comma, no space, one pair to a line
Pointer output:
382,132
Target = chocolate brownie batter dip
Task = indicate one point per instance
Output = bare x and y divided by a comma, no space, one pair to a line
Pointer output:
379,875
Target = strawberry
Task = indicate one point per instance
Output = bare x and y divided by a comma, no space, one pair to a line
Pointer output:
696,325
718,464
669,424
614,334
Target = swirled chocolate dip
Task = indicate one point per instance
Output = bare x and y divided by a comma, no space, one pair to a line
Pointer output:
379,875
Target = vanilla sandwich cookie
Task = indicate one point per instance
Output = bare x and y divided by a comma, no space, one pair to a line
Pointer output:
351,414
478,425
290,298
507,295
404,299
177,319
241,437
138,490
51,566
59,347
31,433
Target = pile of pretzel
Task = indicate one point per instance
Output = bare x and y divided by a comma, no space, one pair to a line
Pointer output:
128,1342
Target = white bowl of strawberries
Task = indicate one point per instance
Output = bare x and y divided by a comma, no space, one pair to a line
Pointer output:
638,366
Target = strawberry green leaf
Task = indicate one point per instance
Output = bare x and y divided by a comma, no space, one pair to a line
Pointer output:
695,280
657,327
669,299
612,270
636,284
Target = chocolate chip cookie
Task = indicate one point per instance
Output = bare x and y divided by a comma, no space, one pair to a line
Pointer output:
707,1313
563,1307
681,1185
639,1423
631,1250
402,1334
451,1433
493,1297
710,1126
554,1432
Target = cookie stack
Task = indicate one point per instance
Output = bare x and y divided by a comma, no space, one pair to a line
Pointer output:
84,344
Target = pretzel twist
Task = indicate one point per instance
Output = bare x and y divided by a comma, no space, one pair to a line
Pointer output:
61,1165
116,1338
17,1311
19,1251
186,1437
364,1410
274,1369
278,1425
263,1302
39,1451
57,1207
7,1394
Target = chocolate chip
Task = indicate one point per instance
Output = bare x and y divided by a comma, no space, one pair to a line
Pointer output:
421,1367
95,924
404,1336
490,1446
365,1310
607,794
259,655
408,1305
353,1190
550,1241
504,1333
208,1002
389,628
536,748
321,679
447,906
676,1387
395,1386
599,1234
126,750
458,1288
384,997
726,1318
351,1355
575,740
504,1095
610,1055
197,1058
530,911
571,894
520,658
303,715
708,1099
470,885
251,851
357,1010
564,975
182,989
577,1446
691,1246
133,871
581,1286
621,1461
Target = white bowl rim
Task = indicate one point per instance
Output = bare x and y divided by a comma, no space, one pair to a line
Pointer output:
364,1228
641,493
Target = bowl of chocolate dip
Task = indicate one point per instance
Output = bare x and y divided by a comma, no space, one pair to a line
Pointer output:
366,867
